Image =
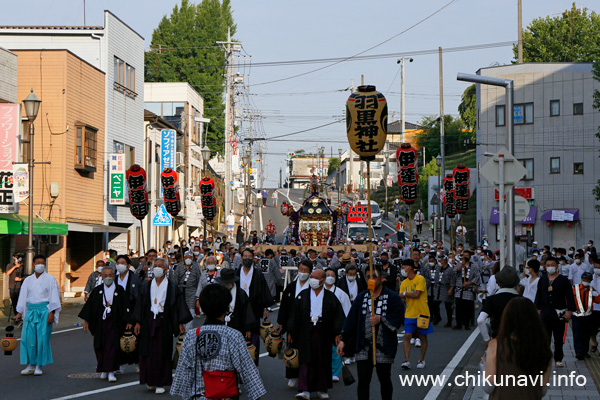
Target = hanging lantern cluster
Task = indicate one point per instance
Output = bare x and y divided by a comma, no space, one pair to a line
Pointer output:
408,178
366,121
462,193
286,209
209,203
138,194
170,187
448,185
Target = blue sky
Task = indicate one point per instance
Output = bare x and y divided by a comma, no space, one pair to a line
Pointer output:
275,30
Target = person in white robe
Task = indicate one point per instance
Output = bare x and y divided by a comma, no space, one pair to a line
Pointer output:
38,307
330,280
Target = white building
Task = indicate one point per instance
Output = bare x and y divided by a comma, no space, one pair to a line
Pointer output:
118,51
554,138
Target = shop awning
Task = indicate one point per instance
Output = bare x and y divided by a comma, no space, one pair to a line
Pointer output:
17,224
95,228
561,215
528,220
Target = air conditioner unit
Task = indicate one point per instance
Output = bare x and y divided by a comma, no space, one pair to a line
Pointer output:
179,158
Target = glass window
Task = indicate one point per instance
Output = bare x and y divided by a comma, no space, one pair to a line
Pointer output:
529,113
500,118
555,165
156,108
578,109
85,148
528,164
578,168
523,114
130,78
554,108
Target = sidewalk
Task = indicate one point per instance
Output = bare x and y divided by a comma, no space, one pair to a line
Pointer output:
588,369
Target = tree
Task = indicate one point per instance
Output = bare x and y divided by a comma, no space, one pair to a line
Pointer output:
430,169
468,107
596,190
455,135
184,49
571,37
334,165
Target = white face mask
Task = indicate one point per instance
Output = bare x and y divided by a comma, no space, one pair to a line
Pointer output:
39,268
121,268
404,273
211,267
158,272
431,264
99,269
188,261
551,270
585,284
330,280
351,278
108,281
314,283
578,261
303,276
196,253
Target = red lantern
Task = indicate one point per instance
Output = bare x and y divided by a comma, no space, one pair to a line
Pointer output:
449,207
285,208
138,195
168,180
569,224
408,178
209,203
345,208
549,223
460,176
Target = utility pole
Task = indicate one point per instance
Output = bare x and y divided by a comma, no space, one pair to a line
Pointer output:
402,102
229,47
351,154
442,142
520,29
279,177
260,161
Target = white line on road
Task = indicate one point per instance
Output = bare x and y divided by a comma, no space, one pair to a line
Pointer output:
389,227
91,392
435,391
260,217
62,331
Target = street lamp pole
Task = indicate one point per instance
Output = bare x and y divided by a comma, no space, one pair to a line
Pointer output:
440,214
340,177
32,106
246,160
205,158
387,172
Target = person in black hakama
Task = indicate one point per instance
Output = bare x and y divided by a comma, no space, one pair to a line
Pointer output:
239,315
159,315
131,283
314,326
107,315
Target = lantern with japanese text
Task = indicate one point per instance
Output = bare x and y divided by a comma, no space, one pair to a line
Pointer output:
448,186
207,193
461,175
366,122
170,187
285,208
408,178
345,208
138,195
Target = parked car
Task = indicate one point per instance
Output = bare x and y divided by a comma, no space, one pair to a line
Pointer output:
359,233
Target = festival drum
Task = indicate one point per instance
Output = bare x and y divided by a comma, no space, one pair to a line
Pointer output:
273,343
265,328
291,358
128,342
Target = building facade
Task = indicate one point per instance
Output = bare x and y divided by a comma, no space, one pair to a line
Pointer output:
554,139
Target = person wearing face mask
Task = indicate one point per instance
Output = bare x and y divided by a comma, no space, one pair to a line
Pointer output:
555,301
208,276
239,316
467,280
187,277
287,305
390,272
330,280
106,316
582,322
252,281
577,268
431,268
595,262
160,314
314,324
38,307
418,219
131,283
357,335
270,269
529,284
352,283
95,279
442,288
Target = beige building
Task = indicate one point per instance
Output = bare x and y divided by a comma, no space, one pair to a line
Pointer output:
69,135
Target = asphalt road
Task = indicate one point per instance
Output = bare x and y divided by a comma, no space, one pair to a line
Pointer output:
72,373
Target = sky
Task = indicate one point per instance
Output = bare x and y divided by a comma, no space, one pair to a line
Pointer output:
275,30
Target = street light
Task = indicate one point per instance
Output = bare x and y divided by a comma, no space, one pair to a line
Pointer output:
32,106
205,157
438,223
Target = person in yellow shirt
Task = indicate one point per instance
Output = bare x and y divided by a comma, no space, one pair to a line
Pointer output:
413,291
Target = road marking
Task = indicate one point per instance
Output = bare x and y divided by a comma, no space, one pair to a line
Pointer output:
91,392
435,391
293,203
62,331
260,218
389,227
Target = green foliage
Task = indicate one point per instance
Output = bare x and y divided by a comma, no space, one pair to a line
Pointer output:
455,135
334,164
184,50
596,190
571,37
430,169
468,107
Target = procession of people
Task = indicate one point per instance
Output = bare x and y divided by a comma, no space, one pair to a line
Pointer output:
328,316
